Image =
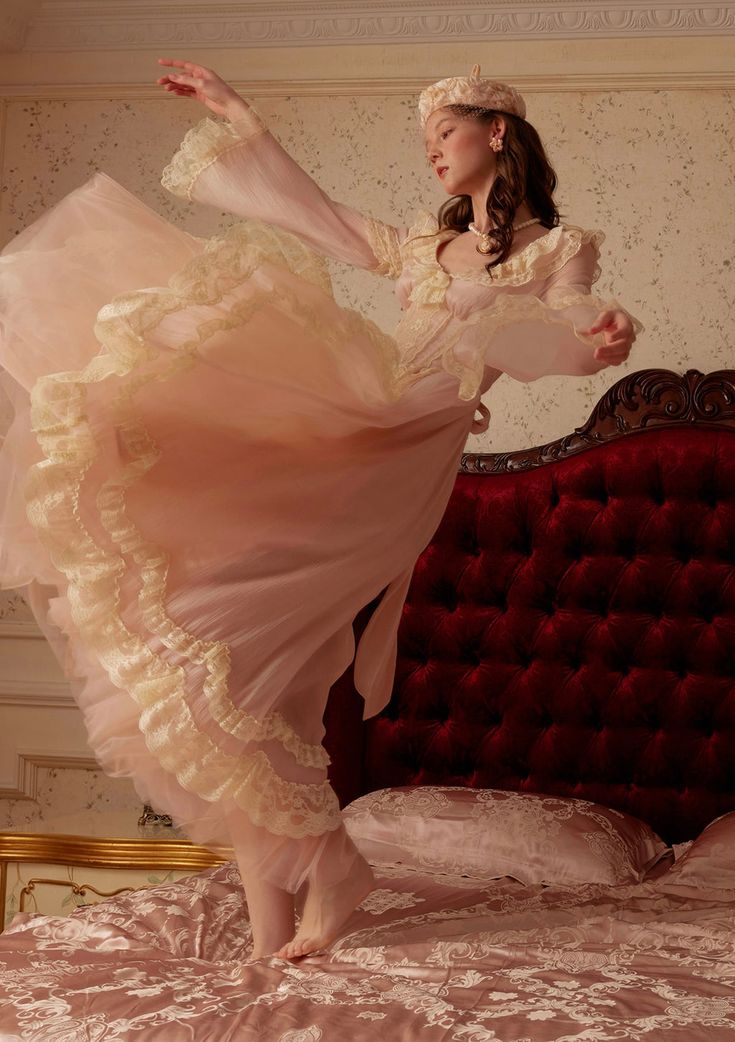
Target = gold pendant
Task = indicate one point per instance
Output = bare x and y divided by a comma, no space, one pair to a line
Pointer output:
484,247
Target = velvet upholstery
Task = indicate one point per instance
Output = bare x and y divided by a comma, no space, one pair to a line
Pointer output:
570,630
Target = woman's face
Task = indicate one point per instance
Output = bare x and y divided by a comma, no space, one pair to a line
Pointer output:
458,150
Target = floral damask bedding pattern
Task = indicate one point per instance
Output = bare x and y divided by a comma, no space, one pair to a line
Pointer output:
445,957
491,833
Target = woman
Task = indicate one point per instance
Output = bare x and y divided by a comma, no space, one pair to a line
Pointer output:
201,497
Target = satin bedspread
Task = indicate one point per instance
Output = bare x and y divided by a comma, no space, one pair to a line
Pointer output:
446,959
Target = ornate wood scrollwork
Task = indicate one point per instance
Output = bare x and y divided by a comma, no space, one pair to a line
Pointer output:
645,400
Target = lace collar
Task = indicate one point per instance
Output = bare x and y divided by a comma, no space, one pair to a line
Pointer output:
538,259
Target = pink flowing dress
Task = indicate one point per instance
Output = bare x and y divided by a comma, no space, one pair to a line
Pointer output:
212,467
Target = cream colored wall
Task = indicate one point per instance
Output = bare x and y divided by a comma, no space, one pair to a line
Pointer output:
639,131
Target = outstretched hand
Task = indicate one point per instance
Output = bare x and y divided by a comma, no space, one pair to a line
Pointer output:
619,336
195,81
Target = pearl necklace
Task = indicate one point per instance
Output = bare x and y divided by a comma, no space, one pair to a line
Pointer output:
485,246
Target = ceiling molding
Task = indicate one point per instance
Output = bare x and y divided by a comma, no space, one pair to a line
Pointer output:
384,87
84,25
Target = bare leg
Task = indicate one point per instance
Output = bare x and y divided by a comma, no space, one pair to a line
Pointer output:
327,909
271,913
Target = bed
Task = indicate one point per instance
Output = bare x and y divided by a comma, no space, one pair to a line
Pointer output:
548,799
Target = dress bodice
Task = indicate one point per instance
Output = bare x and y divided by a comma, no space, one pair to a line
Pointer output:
424,280
528,318
449,318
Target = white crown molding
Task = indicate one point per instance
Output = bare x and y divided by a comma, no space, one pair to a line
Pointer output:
385,87
93,25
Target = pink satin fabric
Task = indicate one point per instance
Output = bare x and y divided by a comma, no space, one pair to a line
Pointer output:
443,958
709,862
492,833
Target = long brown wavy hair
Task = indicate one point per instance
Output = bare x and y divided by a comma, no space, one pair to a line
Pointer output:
523,172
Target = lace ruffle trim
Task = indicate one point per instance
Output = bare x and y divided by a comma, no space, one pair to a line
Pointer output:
508,310
385,243
205,143
537,260
67,437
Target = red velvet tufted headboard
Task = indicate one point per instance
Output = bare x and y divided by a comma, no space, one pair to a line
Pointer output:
570,628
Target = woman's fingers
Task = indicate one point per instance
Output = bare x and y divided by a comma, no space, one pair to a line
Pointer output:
176,61
179,77
191,74
195,81
611,358
614,349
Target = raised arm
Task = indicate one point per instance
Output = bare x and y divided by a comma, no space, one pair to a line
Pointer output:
237,165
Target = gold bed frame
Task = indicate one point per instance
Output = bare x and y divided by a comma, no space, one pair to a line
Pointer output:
97,852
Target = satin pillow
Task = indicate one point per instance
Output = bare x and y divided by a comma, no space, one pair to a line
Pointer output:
491,833
710,860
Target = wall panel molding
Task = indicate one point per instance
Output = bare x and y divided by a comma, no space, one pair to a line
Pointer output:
27,767
35,736
43,694
20,631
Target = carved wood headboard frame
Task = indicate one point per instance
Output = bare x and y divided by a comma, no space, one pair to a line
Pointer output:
643,400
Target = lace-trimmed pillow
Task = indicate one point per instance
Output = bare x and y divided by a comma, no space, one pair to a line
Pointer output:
710,860
491,833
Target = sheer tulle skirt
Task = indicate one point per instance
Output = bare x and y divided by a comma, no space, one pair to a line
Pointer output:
205,479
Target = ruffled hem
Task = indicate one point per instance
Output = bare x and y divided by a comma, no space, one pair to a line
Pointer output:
96,569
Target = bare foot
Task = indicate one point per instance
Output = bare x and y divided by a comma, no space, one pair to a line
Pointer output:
271,912
326,911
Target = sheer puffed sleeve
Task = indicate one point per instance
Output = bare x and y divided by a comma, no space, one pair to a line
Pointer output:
240,167
540,333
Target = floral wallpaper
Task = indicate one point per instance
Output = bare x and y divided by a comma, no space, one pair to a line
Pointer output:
63,791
